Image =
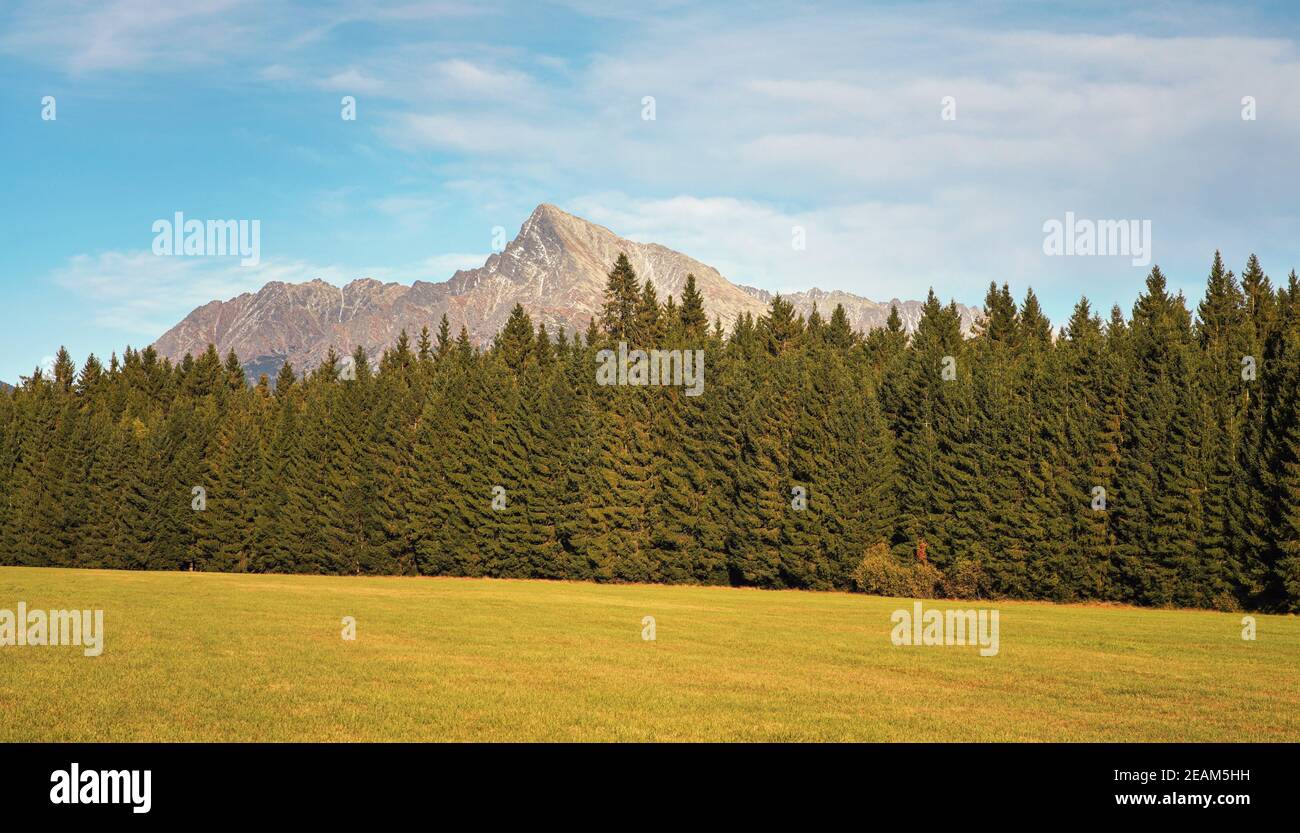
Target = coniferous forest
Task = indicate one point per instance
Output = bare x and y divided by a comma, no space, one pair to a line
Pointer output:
1151,459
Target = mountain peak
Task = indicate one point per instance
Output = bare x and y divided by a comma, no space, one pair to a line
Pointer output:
546,216
547,209
556,267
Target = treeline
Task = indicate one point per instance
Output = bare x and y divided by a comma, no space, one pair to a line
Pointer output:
1152,460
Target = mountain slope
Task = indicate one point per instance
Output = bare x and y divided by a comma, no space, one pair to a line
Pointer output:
556,268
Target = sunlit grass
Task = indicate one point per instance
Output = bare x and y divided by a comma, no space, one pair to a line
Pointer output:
205,656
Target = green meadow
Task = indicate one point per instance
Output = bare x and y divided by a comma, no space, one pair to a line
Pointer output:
209,656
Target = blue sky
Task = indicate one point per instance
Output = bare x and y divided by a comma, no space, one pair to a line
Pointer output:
767,116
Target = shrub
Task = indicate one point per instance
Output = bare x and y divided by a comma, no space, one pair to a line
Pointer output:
927,581
965,579
881,574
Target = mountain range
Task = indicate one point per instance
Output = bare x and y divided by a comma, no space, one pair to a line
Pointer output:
556,268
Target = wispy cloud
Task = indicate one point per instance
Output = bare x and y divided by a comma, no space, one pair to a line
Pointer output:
870,248
145,36
128,34
469,80
355,82
142,294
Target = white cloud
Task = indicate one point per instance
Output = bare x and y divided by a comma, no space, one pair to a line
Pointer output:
148,36
868,248
472,81
126,34
276,72
354,82
144,294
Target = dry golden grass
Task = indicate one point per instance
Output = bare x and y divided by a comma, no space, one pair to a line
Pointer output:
204,657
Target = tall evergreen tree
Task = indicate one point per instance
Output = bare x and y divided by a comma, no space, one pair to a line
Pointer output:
694,321
623,300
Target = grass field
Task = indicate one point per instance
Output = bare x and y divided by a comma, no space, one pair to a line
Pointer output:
203,656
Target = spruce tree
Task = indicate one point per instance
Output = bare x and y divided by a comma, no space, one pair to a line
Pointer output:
694,321
623,300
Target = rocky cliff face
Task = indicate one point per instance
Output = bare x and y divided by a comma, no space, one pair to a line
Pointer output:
556,268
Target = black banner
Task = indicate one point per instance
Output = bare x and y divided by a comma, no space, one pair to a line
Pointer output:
137,783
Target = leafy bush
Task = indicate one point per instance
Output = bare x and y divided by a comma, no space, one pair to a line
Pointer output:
882,574
965,578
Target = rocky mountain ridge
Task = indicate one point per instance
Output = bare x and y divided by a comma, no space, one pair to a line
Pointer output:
556,268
